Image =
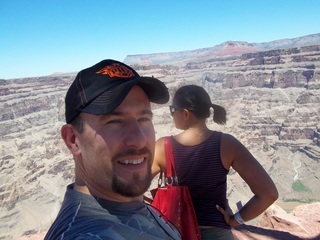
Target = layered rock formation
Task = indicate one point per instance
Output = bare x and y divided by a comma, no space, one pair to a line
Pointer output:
226,49
271,97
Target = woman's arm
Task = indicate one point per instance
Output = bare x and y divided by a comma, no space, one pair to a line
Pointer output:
159,160
234,154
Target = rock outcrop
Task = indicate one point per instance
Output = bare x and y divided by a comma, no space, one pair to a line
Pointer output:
301,223
272,101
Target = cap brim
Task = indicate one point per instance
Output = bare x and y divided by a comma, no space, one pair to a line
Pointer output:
156,90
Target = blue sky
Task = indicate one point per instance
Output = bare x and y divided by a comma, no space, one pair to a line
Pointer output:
41,37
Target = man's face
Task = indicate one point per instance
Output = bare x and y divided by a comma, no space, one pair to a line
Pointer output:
117,148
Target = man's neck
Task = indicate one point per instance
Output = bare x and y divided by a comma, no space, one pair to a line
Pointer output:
80,186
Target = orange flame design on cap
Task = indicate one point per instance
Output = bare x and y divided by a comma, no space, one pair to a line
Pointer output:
116,70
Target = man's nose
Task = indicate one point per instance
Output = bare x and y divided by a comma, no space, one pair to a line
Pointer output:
136,136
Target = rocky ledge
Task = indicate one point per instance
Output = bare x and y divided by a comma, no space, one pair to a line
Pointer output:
301,223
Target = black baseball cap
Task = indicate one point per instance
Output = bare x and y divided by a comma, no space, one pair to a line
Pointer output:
101,88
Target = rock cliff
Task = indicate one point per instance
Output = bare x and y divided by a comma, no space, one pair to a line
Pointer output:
272,101
226,49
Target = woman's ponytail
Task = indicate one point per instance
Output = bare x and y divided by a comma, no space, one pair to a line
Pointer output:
219,114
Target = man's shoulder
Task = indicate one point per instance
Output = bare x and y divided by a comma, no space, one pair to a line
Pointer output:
83,217
107,230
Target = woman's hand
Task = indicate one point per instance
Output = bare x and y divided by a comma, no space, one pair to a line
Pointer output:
228,216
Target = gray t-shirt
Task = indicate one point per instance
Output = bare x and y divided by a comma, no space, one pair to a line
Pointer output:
84,217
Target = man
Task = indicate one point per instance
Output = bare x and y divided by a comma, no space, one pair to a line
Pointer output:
110,134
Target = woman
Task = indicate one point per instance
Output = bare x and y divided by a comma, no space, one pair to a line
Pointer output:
203,158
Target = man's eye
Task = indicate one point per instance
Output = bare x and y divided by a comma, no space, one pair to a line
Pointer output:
114,121
145,119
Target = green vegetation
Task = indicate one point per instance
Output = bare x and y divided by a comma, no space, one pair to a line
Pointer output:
306,200
298,186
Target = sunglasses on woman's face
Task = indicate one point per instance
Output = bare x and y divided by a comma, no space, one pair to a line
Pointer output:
173,109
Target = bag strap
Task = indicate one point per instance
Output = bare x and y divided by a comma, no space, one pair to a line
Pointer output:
171,170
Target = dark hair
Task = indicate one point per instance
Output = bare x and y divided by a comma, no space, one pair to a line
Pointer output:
77,123
197,100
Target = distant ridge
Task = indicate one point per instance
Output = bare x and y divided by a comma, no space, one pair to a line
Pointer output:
226,49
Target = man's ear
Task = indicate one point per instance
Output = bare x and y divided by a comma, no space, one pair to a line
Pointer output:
68,134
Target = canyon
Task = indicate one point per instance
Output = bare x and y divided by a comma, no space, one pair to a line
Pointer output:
271,92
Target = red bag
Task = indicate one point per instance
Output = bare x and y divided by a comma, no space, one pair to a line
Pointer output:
174,201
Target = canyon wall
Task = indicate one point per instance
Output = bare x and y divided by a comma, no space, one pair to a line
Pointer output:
272,101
